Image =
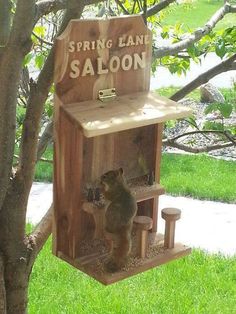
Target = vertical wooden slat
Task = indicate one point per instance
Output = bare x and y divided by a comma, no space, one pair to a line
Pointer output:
158,149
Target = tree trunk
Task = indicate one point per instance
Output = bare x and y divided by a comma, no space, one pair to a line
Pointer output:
15,249
2,287
16,285
14,281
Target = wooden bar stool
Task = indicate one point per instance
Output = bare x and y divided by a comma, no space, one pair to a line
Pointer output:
170,215
98,215
142,224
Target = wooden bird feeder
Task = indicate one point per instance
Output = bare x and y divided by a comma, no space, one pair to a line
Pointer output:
105,117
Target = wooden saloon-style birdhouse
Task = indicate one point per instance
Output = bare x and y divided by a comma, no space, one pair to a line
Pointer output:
105,119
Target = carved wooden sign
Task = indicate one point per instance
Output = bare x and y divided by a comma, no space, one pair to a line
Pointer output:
98,54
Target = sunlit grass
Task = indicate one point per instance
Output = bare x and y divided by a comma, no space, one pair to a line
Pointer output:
199,283
195,94
195,14
199,176
44,170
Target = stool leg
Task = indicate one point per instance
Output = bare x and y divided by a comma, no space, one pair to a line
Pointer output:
143,242
169,240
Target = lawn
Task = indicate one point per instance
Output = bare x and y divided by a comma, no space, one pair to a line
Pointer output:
196,13
228,93
199,284
199,176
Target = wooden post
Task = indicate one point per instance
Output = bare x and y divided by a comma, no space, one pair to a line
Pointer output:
170,215
142,224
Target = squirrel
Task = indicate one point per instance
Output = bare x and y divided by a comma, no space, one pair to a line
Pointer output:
119,217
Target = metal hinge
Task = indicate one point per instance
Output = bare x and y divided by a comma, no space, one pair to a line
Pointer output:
107,94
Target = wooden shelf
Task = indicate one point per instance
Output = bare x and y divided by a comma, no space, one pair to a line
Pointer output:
145,192
124,112
142,192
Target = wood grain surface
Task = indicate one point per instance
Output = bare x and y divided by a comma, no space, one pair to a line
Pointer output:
91,137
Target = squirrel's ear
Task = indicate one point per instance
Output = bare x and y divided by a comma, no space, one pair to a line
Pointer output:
121,171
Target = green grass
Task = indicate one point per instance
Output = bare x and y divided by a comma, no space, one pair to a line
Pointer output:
197,284
228,93
169,91
43,172
196,14
199,176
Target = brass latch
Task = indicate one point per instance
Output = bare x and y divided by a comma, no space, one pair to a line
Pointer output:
107,94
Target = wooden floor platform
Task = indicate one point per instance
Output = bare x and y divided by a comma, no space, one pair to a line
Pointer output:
93,265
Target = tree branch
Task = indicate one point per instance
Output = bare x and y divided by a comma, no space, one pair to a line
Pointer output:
5,11
224,133
10,69
38,94
233,66
120,4
195,150
45,7
39,236
43,41
158,7
45,138
224,66
23,24
232,9
173,49
144,14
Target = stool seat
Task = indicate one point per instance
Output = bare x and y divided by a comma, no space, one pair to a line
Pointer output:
143,222
171,213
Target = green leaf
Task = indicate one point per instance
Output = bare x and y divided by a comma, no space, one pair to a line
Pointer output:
165,35
39,61
170,123
232,130
27,59
215,126
220,49
40,30
211,108
225,109
192,121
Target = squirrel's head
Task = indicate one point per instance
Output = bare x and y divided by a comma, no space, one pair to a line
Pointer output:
111,178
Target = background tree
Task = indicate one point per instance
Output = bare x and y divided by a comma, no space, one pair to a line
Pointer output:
27,31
